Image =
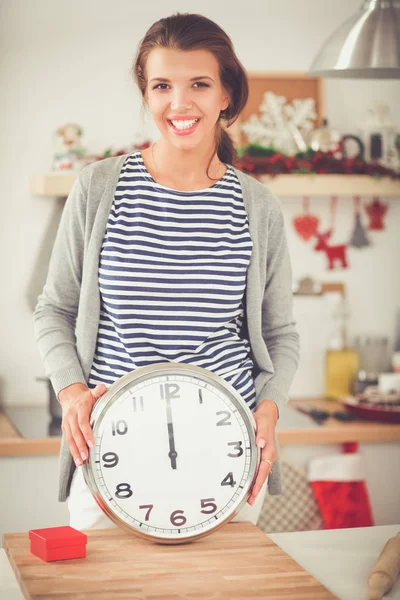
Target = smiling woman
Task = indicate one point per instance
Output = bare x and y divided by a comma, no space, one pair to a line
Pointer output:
186,104
190,80
171,255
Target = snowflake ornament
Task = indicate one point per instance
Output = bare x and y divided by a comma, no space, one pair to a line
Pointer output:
281,125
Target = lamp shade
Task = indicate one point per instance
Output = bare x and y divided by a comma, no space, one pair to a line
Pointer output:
366,46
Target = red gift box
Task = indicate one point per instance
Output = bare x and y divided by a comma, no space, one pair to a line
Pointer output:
58,543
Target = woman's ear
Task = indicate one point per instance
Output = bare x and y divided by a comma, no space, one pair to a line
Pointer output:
226,101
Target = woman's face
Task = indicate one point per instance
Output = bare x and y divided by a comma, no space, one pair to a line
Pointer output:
183,86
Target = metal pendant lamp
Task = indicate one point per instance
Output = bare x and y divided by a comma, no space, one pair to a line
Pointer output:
366,46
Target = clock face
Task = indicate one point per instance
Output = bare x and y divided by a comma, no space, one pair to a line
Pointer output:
174,454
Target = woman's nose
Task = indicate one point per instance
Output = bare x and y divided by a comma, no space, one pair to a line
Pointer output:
181,101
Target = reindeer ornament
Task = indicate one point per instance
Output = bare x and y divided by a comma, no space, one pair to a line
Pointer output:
306,225
334,253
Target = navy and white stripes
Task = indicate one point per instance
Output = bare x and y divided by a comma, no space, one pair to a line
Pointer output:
172,276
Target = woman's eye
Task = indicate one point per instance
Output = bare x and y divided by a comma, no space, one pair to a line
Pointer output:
201,83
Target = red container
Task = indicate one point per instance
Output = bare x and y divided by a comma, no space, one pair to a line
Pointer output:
58,543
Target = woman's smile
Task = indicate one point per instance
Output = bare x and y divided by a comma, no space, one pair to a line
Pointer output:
183,127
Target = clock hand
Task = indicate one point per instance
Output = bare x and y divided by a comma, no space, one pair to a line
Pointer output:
172,452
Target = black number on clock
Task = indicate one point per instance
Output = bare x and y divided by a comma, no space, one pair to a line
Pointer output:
225,420
138,405
123,490
110,460
208,502
120,427
228,480
149,506
177,519
237,446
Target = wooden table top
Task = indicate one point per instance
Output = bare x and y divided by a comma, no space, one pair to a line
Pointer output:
236,562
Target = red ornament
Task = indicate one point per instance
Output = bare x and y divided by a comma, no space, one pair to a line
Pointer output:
376,211
333,253
306,225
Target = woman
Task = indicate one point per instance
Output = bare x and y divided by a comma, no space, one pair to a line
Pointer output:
171,254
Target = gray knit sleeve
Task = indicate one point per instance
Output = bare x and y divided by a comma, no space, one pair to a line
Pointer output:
57,307
278,325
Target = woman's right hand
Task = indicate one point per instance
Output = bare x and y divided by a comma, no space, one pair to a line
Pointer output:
77,401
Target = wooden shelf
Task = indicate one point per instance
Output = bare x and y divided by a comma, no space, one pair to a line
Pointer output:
331,185
59,185
53,184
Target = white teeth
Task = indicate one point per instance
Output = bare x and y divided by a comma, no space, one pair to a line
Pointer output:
184,124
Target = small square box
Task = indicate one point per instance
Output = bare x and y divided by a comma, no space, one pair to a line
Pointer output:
58,543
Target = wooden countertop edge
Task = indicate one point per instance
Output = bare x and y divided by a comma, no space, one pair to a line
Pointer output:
331,432
336,434
22,447
319,435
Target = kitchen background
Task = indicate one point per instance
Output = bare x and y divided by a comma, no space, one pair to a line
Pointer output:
70,61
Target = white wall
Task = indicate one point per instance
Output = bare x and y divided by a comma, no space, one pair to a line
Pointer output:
70,61
31,498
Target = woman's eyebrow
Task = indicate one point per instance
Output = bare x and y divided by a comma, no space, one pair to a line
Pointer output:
164,79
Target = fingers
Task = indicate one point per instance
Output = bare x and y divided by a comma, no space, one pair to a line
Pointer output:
262,430
265,439
73,448
80,443
262,474
98,391
83,416
76,427
86,430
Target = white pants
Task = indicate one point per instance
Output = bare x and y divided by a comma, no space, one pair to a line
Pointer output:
86,514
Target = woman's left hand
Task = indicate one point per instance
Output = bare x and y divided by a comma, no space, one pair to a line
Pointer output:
266,416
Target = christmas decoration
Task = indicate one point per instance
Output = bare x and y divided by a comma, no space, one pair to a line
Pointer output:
306,225
338,482
359,237
281,124
379,136
109,152
351,140
333,253
69,152
325,138
259,160
87,159
376,211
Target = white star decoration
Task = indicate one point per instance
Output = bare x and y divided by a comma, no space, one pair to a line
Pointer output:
281,125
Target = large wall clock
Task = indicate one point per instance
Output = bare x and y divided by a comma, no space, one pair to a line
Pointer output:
175,456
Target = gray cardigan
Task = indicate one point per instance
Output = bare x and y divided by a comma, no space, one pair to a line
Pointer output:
66,316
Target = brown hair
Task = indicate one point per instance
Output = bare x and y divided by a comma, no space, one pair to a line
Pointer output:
186,31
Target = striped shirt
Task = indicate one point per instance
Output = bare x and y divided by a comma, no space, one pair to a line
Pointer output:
172,277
